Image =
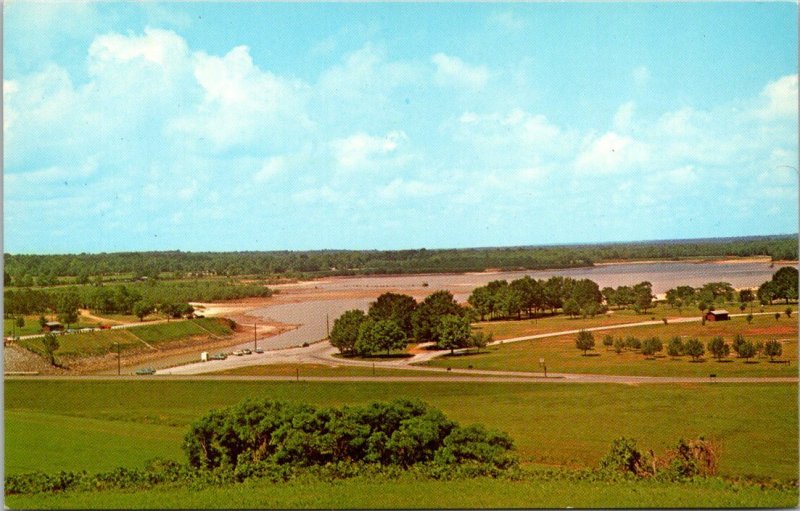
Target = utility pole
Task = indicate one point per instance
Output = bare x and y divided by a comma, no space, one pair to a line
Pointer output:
255,337
327,326
118,359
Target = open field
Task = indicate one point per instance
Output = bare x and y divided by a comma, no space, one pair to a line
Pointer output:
561,355
519,328
32,325
409,492
568,425
104,341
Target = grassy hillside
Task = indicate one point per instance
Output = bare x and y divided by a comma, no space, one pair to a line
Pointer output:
93,425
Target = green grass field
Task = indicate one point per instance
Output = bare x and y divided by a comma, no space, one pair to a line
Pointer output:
408,492
104,341
170,331
519,328
561,355
94,425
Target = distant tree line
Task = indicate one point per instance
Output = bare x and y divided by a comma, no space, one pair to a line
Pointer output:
782,286
500,299
140,299
42,270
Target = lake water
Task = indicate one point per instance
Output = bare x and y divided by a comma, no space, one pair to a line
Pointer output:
312,315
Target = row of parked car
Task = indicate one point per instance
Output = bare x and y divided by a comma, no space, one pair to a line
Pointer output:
218,356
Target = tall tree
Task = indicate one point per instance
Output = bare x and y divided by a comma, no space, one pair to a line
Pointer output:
396,307
785,281
454,332
429,312
344,333
584,341
50,343
718,347
481,300
67,308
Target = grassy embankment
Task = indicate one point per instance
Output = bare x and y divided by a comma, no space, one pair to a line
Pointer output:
104,341
72,425
561,355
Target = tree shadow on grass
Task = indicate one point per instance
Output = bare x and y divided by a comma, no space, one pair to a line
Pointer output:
376,356
591,355
464,354
724,361
698,361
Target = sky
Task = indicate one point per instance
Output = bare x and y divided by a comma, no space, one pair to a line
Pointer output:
266,126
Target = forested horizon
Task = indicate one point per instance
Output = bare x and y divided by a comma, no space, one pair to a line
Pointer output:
358,262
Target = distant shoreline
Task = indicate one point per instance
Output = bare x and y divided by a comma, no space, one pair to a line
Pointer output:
698,260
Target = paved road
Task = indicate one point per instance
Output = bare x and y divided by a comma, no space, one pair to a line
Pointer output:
531,378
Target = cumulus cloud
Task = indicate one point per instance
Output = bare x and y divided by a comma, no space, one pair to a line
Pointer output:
611,153
360,150
780,98
452,71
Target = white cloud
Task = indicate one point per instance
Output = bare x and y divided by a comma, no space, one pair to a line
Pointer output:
685,175
452,71
780,97
612,153
161,47
271,168
641,76
506,20
399,188
241,104
359,150
623,118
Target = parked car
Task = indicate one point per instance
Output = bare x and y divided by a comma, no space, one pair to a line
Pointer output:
145,371
247,351
238,353
218,356
259,350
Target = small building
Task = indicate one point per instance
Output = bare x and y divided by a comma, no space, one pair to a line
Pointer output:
718,315
53,326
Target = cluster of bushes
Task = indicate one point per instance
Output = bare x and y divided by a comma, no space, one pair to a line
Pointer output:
693,347
688,459
394,319
401,433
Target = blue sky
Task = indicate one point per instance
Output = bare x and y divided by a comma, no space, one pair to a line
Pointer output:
250,126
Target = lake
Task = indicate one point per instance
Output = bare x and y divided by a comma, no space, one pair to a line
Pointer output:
315,316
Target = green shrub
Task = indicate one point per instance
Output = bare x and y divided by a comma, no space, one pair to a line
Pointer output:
401,432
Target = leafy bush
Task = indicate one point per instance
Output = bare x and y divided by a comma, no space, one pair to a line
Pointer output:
402,433
626,458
